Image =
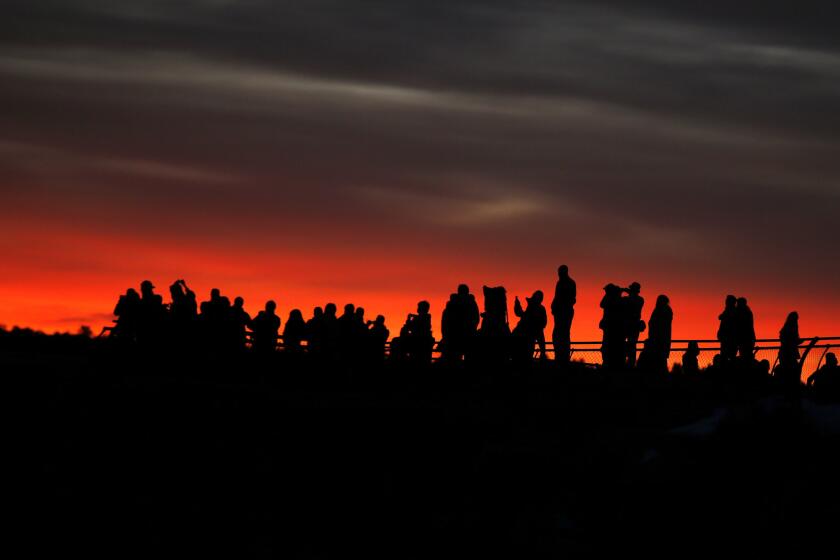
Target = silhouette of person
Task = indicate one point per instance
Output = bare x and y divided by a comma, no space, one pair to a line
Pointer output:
240,321
789,342
826,380
459,323
213,319
265,327
471,315
494,318
612,323
346,331
563,311
745,325
315,333
127,312
357,336
377,338
657,347
211,307
728,331
531,326
632,314
690,363
416,341
360,329
183,309
449,322
330,331
345,322
152,315
294,332
492,344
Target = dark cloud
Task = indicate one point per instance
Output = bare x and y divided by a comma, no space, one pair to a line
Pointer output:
645,131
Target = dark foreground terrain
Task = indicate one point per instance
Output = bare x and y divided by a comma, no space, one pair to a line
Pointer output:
140,456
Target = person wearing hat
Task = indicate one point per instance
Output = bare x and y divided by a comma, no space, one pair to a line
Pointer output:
632,312
152,315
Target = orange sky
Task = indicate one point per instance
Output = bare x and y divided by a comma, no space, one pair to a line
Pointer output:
57,281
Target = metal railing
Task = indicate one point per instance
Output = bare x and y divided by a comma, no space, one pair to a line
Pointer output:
589,351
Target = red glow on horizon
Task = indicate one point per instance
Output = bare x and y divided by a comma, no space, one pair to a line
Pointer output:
58,280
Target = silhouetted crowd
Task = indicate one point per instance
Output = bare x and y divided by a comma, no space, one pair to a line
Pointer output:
468,335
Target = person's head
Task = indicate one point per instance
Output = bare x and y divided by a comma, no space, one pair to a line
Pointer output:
764,367
215,293
318,312
330,310
730,300
693,347
146,287
611,288
563,271
131,293
537,298
270,307
634,288
831,359
360,313
742,302
380,319
239,302
463,290
176,291
793,317
717,360
295,315
662,300
423,307
349,309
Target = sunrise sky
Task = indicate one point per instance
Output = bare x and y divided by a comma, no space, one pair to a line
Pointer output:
381,152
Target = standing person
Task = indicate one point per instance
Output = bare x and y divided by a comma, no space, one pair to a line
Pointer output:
654,358
728,331
315,332
459,323
294,331
416,342
612,323
183,310
127,313
152,315
265,327
745,325
634,325
789,342
346,327
563,311
377,337
330,331
450,323
240,321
